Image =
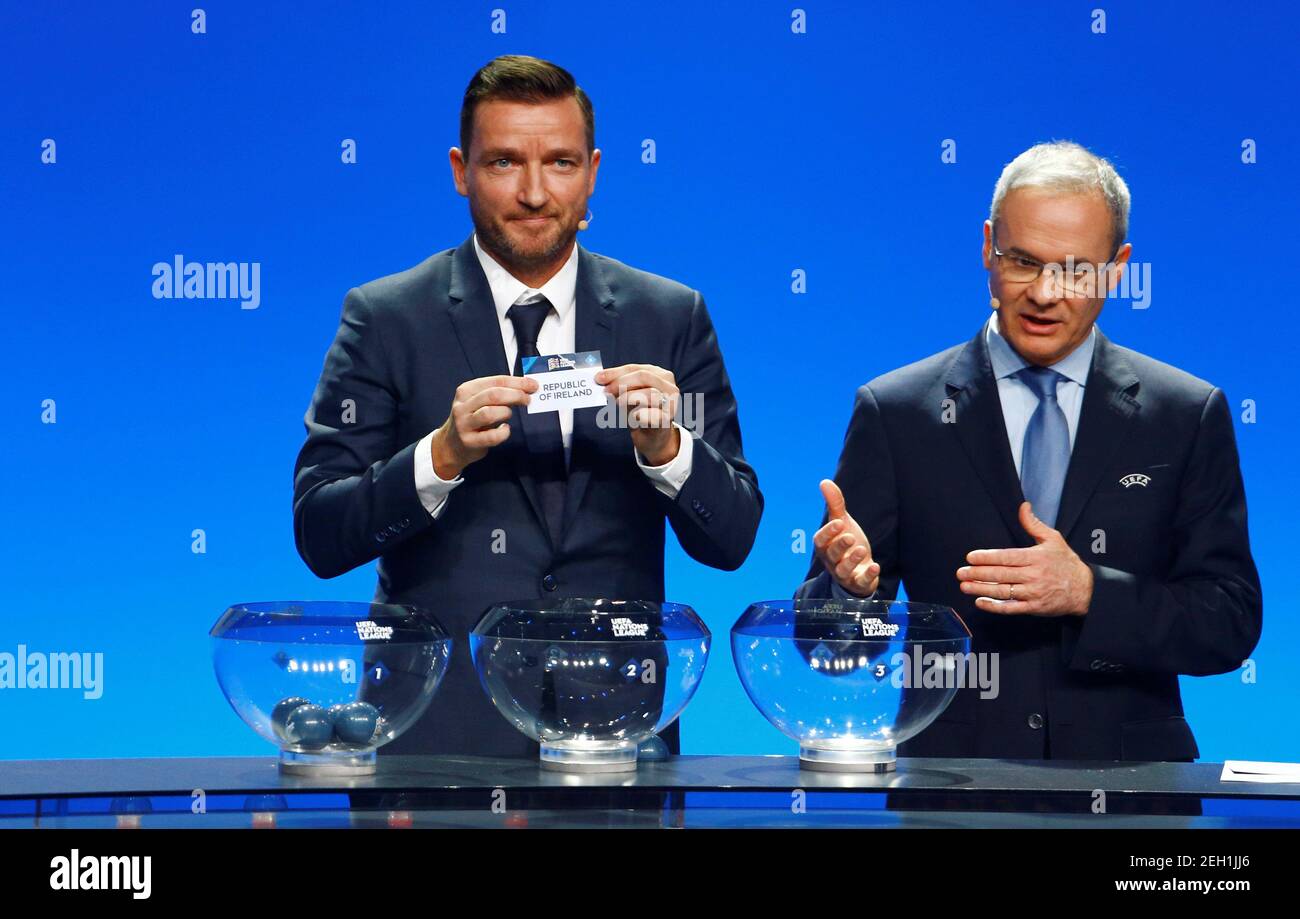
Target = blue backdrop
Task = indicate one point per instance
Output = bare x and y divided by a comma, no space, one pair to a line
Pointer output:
132,421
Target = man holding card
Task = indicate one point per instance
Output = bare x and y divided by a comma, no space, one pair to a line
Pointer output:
503,421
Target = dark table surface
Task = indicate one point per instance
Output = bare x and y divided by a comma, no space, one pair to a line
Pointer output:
681,791
251,774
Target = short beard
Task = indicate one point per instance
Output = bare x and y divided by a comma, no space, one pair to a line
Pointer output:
499,245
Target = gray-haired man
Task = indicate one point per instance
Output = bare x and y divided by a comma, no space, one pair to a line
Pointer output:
1079,504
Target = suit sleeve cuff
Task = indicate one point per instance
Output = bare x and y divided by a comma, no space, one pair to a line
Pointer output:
672,475
1097,641
839,593
433,490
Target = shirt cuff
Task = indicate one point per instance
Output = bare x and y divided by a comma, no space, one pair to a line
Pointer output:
672,475
433,490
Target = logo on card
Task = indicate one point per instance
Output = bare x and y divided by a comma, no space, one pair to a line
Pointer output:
560,362
1135,478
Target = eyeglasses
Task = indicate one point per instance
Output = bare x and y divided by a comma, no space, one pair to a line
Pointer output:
1075,279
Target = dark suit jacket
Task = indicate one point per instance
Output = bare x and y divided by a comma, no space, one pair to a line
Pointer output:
1176,590
405,342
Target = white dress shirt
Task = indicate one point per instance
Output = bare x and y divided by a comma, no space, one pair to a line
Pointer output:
556,336
1019,402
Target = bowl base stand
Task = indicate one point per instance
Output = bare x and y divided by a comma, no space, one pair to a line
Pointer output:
567,759
870,762
293,763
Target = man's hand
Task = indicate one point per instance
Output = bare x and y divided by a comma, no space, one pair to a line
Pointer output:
843,548
478,421
1048,579
647,396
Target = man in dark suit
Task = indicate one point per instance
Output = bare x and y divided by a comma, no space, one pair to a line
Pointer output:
1079,504
420,451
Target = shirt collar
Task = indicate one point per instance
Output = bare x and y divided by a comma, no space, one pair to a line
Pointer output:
1006,362
506,288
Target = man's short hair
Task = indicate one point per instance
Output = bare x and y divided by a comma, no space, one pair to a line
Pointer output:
1063,165
520,78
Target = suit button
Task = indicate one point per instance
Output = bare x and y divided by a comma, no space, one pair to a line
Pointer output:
1096,665
1035,721
549,582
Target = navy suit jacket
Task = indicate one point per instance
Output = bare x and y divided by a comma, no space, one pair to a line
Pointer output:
927,472
404,343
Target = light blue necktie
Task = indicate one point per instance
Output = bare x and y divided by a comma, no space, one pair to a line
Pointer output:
1046,452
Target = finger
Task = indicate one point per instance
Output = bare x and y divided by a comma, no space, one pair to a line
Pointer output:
995,573
639,379
495,395
1040,531
1014,558
488,438
630,382
652,412
609,374
852,550
486,416
853,565
834,499
650,399
864,577
1004,607
849,562
649,418
650,396
468,389
839,546
633,398
823,536
988,589
844,571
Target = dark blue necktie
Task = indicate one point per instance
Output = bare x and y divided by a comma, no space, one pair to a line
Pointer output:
1046,452
542,430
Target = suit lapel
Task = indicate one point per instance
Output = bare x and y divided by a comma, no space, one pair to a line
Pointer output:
1109,405
593,331
473,314
474,317
980,428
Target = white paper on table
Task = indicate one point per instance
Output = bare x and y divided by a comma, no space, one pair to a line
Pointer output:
1240,770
